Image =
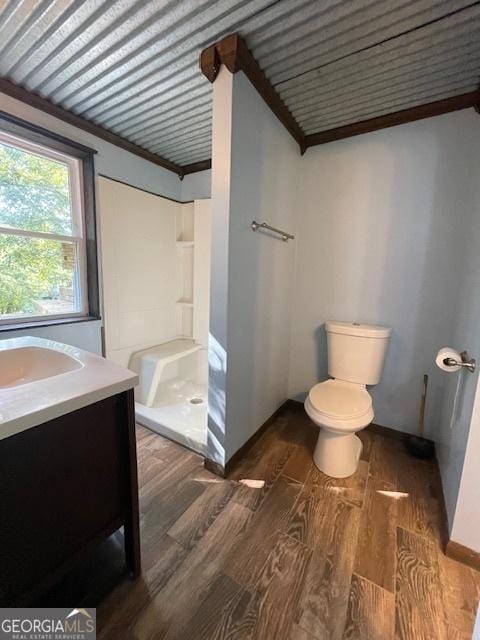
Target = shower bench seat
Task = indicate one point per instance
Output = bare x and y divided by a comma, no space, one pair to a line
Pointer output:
150,364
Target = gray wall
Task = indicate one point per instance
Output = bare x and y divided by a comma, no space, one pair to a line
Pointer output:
84,335
255,165
383,220
197,186
458,435
264,165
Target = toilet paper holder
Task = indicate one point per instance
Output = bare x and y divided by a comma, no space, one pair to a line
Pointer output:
467,362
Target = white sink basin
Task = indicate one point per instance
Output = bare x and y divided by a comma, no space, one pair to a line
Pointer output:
29,364
41,380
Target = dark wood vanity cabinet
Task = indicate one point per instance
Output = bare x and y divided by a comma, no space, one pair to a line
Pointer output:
66,485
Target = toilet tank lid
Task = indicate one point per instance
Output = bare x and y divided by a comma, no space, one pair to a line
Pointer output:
357,329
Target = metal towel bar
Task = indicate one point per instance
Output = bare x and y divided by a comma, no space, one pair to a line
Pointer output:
263,225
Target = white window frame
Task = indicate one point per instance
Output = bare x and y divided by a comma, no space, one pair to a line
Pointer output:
78,229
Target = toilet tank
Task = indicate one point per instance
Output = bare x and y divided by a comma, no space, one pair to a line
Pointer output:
356,352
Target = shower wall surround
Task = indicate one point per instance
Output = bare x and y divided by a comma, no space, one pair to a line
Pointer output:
148,270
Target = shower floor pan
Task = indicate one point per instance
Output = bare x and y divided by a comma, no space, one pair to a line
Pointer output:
171,398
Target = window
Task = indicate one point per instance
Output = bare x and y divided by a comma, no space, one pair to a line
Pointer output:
48,268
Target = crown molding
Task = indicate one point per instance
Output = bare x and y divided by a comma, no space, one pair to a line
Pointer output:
203,165
42,104
447,105
235,55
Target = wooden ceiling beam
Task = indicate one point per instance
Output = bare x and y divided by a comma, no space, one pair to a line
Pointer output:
235,55
447,105
202,165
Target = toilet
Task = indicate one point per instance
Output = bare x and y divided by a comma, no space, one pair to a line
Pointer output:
342,406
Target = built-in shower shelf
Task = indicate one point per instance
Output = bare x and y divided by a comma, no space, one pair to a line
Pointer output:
184,244
185,303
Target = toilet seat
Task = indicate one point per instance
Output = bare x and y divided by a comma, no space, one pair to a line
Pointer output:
340,405
340,399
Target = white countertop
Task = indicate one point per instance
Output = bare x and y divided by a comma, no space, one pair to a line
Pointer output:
28,405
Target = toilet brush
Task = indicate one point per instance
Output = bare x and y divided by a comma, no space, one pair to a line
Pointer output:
417,445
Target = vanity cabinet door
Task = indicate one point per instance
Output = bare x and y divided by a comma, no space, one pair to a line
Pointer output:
63,485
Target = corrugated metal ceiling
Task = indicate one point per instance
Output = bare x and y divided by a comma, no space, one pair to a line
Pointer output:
132,66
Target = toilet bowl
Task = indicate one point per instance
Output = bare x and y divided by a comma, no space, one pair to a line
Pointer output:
340,409
342,405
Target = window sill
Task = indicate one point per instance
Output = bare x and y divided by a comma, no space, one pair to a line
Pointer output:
37,324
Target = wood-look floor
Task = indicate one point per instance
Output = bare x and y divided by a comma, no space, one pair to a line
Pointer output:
307,557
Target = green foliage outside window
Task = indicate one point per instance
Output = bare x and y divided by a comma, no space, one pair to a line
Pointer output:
34,196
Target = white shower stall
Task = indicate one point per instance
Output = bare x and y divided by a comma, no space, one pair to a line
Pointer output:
156,282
